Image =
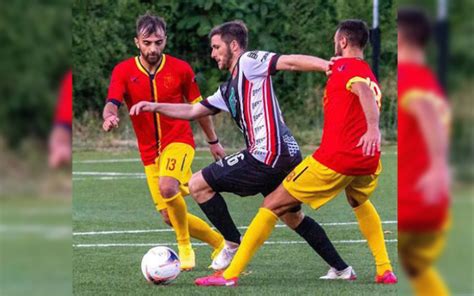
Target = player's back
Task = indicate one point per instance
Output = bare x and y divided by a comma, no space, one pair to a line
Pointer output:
344,119
417,82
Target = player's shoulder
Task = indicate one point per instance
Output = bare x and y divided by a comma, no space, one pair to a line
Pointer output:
177,63
254,56
125,65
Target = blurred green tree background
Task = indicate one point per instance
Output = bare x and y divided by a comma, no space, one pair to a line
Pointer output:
35,51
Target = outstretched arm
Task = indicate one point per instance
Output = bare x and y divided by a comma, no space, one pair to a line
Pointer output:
180,111
299,62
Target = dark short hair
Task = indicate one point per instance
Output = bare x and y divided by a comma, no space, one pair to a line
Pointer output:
234,30
356,32
414,25
149,24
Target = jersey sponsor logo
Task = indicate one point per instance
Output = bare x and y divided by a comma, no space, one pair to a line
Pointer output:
259,141
264,57
341,68
256,91
257,116
232,102
259,128
255,104
253,55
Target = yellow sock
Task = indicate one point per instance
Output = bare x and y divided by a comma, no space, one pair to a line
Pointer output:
257,233
177,212
200,230
371,227
429,283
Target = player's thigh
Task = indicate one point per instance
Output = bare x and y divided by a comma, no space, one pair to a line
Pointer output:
153,180
314,184
362,187
419,250
237,173
175,162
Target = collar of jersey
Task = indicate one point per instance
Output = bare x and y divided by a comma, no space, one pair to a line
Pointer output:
144,70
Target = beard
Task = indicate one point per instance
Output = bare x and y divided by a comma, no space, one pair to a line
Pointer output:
151,59
226,60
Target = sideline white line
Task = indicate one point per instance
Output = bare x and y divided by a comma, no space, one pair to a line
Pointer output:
204,244
170,230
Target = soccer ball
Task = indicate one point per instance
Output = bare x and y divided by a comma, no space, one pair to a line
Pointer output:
160,265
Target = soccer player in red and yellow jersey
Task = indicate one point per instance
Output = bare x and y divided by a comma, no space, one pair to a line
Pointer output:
60,140
166,145
348,159
423,179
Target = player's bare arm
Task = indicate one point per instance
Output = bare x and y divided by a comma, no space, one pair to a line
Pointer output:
179,111
304,63
435,182
371,140
215,147
110,117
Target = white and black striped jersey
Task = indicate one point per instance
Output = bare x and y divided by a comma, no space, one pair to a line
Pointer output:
249,97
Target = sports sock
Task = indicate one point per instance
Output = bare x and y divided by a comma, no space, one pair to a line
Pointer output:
317,238
217,212
257,233
177,212
200,230
429,283
371,227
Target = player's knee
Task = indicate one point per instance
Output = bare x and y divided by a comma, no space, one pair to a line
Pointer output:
168,190
166,218
293,219
199,189
352,201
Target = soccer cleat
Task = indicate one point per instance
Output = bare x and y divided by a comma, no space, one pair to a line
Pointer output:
216,279
217,250
347,274
186,257
387,278
224,257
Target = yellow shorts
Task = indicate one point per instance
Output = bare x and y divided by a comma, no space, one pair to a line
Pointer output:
175,161
419,250
314,184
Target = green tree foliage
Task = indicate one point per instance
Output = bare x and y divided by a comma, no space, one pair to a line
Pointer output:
103,33
35,48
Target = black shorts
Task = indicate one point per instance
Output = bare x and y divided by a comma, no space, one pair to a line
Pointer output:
241,174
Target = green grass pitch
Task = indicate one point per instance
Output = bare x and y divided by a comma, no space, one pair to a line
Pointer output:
112,195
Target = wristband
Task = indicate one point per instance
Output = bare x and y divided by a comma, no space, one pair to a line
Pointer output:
213,142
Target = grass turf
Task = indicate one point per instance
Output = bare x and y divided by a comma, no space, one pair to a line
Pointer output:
122,202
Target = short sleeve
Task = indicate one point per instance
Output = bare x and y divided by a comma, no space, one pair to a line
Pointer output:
117,86
259,64
190,87
215,102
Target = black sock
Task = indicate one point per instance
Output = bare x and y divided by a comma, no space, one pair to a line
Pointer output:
217,212
316,237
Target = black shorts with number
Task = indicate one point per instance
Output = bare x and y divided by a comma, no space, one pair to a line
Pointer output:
241,174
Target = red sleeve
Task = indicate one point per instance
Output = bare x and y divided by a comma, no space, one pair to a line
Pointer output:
117,86
190,86
63,113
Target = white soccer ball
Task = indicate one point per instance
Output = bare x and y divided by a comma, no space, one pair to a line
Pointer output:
160,265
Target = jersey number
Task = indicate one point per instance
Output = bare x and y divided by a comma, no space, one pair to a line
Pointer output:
171,164
234,159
